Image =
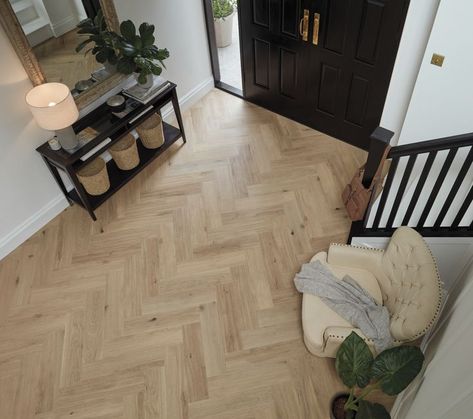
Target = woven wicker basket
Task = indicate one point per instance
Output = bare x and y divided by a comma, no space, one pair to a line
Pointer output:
94,177
125,153
151,132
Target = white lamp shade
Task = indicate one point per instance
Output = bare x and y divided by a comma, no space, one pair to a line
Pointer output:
52,106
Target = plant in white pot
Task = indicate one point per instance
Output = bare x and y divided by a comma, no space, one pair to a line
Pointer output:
223,11
139,54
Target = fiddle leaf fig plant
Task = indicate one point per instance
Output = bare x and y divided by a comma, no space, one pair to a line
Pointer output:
391,371
223,8
138,53
104,42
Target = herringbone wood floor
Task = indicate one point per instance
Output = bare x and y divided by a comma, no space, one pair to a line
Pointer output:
179,301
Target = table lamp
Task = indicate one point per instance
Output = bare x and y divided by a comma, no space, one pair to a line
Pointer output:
54,109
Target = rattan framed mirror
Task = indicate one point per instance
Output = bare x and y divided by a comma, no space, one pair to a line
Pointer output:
12,17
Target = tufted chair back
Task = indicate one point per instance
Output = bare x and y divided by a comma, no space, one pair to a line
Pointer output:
410,284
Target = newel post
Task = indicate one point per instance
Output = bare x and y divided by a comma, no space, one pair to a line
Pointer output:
379,140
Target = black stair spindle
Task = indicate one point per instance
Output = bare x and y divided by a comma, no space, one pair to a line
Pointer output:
419,187
385,194
463,209
438,184
455,187
400,192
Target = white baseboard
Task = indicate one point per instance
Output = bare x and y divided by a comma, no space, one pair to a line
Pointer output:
38,220
31,225
63,26
192,97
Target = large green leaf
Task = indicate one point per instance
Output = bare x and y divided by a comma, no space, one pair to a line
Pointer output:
367,410
353,361
102,56
126,66
395,368
128,30
128,49
146,33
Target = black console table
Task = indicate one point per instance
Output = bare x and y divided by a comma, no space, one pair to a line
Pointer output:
110,126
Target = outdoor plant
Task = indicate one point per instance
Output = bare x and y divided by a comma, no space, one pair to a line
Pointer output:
391,372
223,8
105,42
138,53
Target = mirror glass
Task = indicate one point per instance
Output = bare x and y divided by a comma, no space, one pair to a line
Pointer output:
51,27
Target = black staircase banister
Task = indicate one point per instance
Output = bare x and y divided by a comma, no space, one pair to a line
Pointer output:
446,143
421,202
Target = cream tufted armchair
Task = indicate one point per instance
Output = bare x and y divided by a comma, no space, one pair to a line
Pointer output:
404,278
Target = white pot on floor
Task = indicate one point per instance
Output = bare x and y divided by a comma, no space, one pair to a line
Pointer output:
224,31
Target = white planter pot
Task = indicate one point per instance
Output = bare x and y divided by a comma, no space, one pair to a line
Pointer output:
149,81
224,31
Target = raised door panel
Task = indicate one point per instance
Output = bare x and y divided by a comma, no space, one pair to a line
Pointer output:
288,73
261,12
357,99
327,89
261,51
290,17
335,27
369,31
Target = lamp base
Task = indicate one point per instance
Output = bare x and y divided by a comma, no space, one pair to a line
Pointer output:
67,138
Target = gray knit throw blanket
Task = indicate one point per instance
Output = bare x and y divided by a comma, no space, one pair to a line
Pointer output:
347,299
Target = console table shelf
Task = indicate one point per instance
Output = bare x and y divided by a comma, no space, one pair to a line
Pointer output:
109,126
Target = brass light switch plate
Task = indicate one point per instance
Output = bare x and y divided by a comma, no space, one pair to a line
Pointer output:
437,60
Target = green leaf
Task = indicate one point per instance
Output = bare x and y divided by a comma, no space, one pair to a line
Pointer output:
137,43
146,33
126,66
395,368
367,410
128,50
101,56
156,70
353,361
128,30
83,44
142,78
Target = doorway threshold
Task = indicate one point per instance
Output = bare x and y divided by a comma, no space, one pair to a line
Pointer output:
229,89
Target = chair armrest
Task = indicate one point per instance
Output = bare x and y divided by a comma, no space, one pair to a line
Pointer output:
355,257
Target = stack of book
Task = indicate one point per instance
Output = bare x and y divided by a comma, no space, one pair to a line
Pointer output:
144,95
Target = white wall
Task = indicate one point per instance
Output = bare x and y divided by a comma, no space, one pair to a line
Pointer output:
445,388
415,36
442,100
27,189
29,195
180,27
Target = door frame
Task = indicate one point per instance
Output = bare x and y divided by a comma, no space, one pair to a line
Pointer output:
213,50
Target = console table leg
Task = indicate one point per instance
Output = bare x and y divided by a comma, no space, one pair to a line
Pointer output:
55,172
177,111
81,192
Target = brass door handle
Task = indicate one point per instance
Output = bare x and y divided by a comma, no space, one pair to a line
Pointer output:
304,26
315,35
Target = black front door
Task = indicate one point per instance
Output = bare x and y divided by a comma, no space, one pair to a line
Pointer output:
325,63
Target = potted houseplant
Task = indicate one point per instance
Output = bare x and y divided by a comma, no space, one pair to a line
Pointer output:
391,372
105,42
223,11
139,54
